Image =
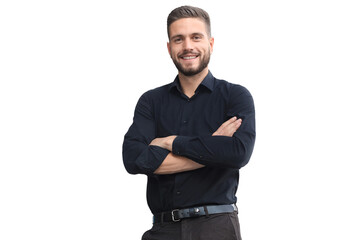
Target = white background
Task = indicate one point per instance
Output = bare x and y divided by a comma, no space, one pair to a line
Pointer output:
72,71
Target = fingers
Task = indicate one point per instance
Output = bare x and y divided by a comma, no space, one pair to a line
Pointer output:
229,127
226,124
231,120
238,123
234,126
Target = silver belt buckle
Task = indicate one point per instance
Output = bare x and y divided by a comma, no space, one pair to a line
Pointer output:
173,216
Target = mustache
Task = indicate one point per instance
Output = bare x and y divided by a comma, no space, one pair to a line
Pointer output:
187,52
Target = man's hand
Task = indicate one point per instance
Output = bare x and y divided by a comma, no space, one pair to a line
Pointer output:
228,128
165,142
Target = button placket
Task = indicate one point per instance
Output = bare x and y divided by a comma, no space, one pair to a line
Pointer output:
185,117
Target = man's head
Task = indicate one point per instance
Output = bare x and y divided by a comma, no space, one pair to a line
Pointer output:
190,42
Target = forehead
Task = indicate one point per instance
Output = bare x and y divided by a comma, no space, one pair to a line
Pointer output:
187,26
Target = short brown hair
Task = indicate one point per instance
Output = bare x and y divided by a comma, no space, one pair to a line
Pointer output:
189,12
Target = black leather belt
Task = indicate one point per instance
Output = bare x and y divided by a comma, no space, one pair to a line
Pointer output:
178,214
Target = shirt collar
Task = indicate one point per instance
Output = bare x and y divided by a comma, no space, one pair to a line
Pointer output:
208,82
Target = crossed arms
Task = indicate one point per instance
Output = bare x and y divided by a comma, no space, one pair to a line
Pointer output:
174,163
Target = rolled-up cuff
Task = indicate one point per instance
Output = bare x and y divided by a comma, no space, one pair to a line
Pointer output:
179,143
153,162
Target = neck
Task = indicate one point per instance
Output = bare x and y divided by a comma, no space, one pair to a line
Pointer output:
190,83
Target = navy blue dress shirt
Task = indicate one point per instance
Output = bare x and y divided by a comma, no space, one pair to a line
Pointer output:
166,111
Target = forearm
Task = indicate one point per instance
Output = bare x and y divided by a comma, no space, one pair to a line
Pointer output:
224,149
175,164
216,151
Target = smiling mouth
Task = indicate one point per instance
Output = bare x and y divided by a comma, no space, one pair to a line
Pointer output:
188,57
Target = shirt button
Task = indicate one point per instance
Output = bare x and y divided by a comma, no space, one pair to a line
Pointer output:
185,121
178,193
200,157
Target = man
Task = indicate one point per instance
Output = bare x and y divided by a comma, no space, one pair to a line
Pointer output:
191,137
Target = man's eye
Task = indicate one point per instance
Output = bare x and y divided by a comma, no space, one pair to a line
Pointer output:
177,40
196,37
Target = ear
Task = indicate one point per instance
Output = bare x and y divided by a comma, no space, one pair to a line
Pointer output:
211,41
168,47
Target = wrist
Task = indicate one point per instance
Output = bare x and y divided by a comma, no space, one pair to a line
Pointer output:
169,142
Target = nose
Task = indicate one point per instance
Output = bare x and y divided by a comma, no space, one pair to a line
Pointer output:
187,44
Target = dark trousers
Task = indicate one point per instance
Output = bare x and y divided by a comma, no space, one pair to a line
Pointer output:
223,226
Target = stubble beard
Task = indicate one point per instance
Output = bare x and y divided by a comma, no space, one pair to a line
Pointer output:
193,71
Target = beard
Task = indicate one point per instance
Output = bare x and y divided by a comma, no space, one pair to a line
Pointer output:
204,62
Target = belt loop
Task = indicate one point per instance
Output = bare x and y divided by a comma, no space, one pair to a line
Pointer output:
162,218
206,211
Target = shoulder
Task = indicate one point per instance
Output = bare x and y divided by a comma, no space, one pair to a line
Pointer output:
156,93
239,99
151,98
231,89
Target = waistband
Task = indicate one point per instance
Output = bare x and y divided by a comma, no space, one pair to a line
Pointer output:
177,214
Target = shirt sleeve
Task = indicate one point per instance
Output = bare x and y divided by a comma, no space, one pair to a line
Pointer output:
222,151
138,156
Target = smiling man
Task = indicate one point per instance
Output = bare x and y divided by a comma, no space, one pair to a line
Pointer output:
191,137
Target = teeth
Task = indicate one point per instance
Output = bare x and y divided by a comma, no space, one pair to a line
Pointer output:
187,58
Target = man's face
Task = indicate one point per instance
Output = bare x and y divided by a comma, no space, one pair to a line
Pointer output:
190,46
